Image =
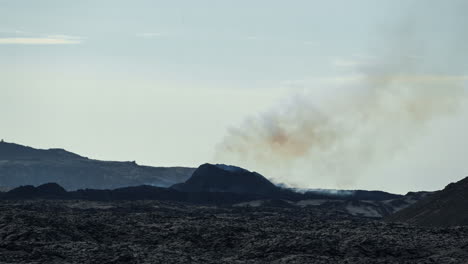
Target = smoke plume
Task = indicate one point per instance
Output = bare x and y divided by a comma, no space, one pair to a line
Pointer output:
380,111
374,123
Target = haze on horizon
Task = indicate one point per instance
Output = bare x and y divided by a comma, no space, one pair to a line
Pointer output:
381,86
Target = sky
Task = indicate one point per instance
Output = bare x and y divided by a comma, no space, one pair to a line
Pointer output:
358,94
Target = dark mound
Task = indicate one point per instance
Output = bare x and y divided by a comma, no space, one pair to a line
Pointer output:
448,207
45,191
21,165
223,178
22,192
51,189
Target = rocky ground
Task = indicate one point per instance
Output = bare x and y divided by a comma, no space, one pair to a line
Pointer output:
161,232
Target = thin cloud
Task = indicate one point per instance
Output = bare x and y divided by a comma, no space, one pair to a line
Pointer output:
399,78
356,79
429,78
46,40
12,31
362,60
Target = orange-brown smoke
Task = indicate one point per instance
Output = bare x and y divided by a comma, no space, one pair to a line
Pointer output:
376,114
372,124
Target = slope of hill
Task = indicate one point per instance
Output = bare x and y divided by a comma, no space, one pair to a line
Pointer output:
448,207
228,178
225,178
21,165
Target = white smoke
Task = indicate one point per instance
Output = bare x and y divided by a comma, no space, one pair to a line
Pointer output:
376,114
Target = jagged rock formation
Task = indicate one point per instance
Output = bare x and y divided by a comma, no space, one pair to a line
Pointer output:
21,165
448,207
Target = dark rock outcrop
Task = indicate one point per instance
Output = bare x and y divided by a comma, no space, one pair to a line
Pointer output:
45,191
448,207
225,178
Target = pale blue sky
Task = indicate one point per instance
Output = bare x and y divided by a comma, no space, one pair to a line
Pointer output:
161,82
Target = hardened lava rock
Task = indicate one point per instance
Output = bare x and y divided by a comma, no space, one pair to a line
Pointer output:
163,232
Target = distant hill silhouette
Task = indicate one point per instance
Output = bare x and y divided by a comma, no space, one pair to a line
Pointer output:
227,178
11,151
21,165
143,192
229,185
280,198
224,178
45,191
448,207
146,192
106,180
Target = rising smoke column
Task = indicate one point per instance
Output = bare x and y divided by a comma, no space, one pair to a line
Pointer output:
386,106
341,141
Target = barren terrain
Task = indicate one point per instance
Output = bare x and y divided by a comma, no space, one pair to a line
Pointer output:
165,232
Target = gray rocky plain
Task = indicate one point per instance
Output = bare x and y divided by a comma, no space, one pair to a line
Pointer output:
54,231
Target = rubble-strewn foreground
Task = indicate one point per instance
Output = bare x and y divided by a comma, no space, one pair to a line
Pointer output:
162,232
